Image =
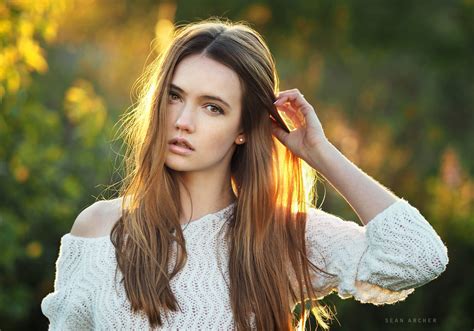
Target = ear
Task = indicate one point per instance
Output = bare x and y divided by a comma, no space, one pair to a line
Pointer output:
240,139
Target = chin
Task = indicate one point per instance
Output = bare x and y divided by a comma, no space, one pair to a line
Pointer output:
178,166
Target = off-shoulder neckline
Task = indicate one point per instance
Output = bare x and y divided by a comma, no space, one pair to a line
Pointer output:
183,226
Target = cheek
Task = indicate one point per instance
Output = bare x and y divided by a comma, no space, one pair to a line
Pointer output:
218,140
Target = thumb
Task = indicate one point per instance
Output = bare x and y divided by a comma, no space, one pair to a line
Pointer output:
278,132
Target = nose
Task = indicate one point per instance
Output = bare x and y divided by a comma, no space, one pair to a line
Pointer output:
185,120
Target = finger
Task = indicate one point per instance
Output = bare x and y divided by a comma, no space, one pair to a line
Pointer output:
296,117
296,99
306,112
288,91
277,131
295,96
290,107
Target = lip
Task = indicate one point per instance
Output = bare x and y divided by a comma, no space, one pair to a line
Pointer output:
179,150
182,141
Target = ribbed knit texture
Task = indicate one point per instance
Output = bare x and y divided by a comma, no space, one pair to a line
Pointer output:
380,263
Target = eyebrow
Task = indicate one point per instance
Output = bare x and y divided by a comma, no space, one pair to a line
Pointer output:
211,97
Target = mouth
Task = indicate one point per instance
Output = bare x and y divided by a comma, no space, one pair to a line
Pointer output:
180,148
182,142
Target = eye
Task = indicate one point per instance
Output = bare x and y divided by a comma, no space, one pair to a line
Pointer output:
216,109
173,97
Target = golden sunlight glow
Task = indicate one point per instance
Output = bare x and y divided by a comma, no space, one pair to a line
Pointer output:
81,102
148,102
34,249
164,32
164,27
85,110
308,175
22,36
286,119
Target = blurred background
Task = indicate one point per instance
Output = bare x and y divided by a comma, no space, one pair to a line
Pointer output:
392,82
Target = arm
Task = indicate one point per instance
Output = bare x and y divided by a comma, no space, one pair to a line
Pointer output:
394,252
309,142
380,263
365,195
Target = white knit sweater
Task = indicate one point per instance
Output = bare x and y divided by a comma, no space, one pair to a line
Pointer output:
380,263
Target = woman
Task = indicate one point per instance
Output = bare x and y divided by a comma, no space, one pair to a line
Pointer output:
212,229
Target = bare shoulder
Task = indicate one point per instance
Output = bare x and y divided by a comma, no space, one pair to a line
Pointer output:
97,219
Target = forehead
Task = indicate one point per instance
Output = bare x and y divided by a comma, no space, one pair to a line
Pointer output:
199,75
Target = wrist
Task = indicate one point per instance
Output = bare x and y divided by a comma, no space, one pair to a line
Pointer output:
321,157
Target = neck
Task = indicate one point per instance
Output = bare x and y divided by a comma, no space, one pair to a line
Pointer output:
205,196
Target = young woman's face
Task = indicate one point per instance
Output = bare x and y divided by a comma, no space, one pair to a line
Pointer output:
204,107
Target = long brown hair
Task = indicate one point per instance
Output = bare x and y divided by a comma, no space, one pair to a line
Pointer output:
268,266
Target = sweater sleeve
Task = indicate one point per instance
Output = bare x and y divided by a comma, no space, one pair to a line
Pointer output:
71,268
379,263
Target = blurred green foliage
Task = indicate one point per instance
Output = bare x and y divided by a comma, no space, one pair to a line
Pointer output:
391,83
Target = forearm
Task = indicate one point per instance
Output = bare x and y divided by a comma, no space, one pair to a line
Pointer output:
366,196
